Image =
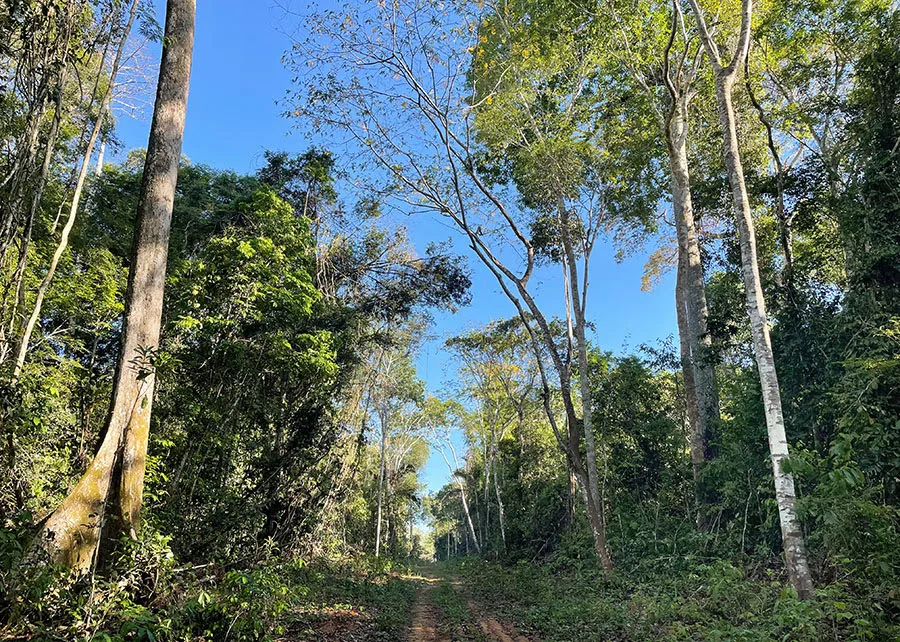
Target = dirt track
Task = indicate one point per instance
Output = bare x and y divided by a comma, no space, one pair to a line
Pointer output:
429,625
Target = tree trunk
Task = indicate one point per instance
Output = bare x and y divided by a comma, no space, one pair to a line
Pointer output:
470,524
381,475
22,347
701,388
500,513
411,532
486,496
72,533
99,167
785,494
690,390
590,483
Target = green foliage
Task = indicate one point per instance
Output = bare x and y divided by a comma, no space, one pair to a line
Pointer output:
288,405
671,600
144,597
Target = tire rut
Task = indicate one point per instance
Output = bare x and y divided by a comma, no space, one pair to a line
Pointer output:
428,623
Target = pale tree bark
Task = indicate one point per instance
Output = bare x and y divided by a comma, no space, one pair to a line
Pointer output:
454,471
22,347
72,533
493,426
469,523
381,475
690,386
98,169
701,384
384,367
576,300
701,387
785,494
411,547
500,511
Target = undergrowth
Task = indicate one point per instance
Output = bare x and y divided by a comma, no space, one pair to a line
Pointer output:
670,600
146,596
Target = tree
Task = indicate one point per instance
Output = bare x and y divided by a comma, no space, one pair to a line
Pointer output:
725,76
395,388
122,37
388,70
690,292
440,423
645,65
115,477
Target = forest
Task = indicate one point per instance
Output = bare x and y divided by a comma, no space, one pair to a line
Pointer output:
219,413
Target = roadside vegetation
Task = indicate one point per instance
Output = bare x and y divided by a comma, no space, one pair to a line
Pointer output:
213,426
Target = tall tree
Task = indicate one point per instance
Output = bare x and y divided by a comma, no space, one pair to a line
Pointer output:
73,532
419,78
439,422
122,34
690,297
726,73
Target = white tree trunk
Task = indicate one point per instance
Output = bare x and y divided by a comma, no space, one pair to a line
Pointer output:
785,494
500,512
594,503
471,525
701,385
381,473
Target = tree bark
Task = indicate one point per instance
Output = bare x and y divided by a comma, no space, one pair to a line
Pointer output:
785,494
500,512
471,525
486,494
701,387
590,483
22,347
73,532
687,369
381,475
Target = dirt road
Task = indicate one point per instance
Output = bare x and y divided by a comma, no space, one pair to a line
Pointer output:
443,613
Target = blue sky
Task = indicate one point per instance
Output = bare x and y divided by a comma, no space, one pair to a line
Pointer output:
234,116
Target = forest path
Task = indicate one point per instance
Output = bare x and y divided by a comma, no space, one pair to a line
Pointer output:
443,612
426,616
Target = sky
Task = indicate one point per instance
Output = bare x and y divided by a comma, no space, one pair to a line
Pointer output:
234,115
